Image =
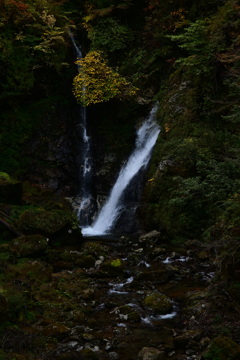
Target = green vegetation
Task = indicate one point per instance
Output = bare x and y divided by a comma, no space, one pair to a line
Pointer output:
183,54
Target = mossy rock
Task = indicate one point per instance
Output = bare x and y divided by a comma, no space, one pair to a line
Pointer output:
222,348
29,271
78,259
94,248
133,315
112,268
30,245
60,226
157,302
10,190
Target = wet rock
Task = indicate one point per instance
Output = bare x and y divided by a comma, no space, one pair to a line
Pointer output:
158,251
183,339
158,302
149,353
29,246
96,249
130,313
151,237
78,259
162,275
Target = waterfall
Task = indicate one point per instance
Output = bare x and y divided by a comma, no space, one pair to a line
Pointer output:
146,138
86,206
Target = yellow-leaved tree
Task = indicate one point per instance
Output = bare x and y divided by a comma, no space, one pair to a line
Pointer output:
96,82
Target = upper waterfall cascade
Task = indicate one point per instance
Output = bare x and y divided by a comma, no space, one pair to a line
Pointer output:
86,158
146,138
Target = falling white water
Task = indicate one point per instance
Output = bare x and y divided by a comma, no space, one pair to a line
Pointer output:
147,136
86,165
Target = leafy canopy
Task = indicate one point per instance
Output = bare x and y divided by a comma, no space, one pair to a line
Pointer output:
96,82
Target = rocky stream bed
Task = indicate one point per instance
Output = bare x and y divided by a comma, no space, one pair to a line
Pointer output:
121,298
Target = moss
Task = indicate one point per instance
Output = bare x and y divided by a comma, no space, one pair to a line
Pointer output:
94,248
158,302
222,348
29,272
31,245
6,179
116,263
61,226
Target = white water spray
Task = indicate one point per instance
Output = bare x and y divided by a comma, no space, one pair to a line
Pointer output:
147,136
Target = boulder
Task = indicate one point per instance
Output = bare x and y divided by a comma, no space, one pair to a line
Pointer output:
59,225
158,302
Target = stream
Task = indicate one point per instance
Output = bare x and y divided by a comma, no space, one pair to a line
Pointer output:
118,319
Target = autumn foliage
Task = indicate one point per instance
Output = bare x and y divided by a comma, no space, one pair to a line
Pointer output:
97,82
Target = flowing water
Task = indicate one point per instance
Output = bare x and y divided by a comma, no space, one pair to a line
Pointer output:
146,138
85,173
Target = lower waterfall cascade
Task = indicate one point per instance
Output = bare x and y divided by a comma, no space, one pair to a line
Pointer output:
146,138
